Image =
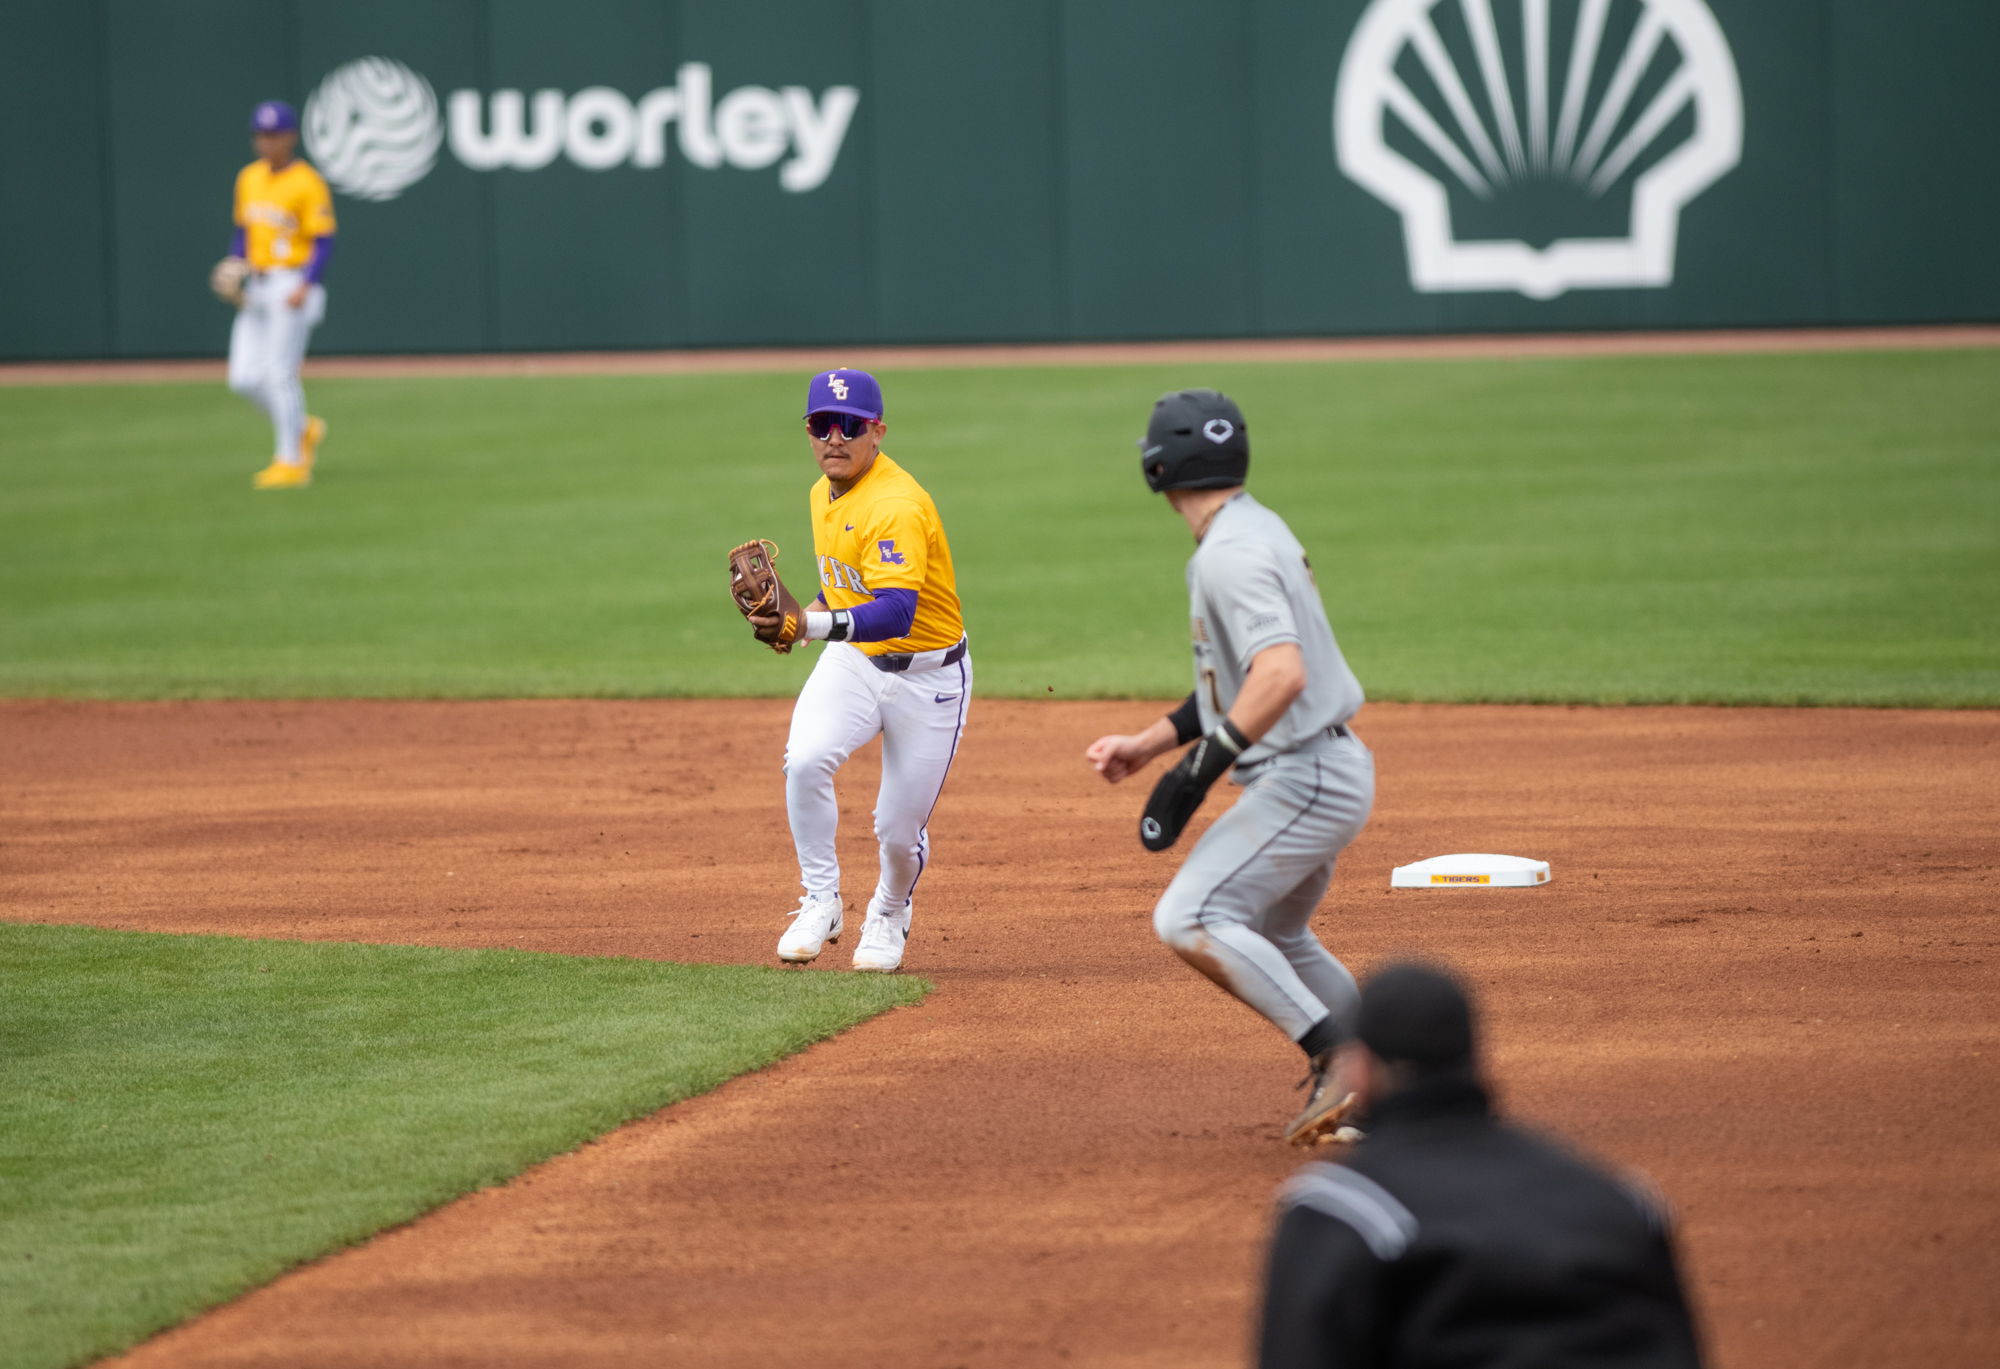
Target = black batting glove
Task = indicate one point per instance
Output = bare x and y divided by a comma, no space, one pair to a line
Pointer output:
1181,790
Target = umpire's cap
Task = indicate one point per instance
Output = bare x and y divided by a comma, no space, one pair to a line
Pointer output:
1197,440
1416,1014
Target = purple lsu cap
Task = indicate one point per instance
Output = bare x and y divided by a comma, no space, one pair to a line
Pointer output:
844,392
274,116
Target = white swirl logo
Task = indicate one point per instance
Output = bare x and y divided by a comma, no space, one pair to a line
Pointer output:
1646,97
372,128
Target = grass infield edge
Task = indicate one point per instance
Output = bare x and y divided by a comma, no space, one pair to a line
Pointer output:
478,1172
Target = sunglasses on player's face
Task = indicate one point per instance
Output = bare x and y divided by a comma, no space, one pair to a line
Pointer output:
822,425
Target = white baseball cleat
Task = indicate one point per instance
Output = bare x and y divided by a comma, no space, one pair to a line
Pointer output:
815,923
882,939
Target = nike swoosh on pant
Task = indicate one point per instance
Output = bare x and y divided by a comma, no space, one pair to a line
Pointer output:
944,698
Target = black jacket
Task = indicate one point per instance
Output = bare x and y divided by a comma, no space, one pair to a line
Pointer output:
1450,1238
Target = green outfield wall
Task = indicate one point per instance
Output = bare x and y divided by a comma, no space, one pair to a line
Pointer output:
514,174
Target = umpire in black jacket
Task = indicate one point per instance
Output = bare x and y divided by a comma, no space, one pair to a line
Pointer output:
1447,1237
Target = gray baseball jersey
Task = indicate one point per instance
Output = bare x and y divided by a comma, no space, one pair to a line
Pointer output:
1249,588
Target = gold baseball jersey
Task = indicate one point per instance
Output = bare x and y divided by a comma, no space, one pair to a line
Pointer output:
281,213
882,534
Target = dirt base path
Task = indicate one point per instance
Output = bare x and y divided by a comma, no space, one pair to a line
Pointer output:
1767,972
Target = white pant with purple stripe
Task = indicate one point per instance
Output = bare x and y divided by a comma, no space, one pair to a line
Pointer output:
267,345
845,702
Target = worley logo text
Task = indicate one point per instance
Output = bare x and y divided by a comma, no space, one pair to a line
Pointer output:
373,128
599,128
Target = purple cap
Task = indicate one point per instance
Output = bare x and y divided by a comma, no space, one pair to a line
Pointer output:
274,116
844,392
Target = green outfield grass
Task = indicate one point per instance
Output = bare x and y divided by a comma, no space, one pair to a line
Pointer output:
1783,529
185,1117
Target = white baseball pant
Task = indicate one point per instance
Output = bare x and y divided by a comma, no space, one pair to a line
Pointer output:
845,702
267,346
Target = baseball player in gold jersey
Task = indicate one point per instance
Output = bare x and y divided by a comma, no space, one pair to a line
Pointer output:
284,236
895,663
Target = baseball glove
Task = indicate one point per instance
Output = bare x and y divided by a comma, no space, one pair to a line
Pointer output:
760,594
227,280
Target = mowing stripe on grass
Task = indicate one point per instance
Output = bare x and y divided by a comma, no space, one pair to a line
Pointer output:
187,1116
1720,529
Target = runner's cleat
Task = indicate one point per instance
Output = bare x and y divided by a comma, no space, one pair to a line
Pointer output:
1326,1106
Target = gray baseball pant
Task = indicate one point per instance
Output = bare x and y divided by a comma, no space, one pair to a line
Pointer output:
1240,910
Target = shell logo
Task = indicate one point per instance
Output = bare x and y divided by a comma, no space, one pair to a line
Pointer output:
1590,99
372,128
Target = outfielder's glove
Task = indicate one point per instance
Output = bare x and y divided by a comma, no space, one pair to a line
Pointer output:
227,280
759,593
1181,790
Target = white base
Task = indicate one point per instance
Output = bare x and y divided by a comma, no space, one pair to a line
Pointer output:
1471,872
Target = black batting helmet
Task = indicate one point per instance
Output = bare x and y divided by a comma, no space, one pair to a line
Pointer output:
1196,440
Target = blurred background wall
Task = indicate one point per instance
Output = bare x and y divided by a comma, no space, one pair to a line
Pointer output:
913,171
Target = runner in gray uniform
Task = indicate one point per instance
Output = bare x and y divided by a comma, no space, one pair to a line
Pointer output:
1272,699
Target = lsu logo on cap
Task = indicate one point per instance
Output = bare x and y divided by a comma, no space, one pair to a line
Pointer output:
846,390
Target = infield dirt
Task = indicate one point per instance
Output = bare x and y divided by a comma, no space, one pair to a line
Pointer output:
1766,972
